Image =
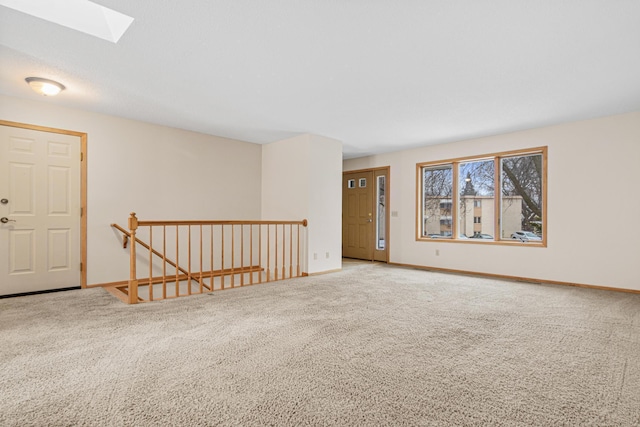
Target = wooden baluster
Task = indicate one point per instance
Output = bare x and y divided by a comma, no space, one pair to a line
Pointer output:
284,245
150,263
305,241
133,281
222,263
211,255
290,251
298,256
200,280
164,262
177,262
233,254
260,252
268,252
251,254
241,254
189,261
275,264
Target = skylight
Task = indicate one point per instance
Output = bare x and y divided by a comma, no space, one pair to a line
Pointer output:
80,15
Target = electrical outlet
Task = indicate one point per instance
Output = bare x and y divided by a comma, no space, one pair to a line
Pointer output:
326,255
394,213
437,252
315,255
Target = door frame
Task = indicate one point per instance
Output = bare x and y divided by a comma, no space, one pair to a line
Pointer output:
387,210
83,186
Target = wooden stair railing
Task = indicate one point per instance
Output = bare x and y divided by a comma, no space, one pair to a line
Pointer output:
127,236
273,253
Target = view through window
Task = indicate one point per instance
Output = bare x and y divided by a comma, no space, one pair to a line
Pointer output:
498,197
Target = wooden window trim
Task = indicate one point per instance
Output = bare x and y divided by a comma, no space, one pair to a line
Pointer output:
496,157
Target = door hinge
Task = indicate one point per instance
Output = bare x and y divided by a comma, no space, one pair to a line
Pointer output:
81,211
81,266
81,157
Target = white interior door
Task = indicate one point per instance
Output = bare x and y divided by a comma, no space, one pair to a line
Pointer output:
40,210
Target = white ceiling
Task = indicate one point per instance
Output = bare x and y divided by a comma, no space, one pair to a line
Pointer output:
377,75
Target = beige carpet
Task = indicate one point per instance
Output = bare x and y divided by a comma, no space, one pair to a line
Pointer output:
371,345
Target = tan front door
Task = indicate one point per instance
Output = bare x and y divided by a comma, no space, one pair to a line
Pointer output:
357,221
39,210
364,214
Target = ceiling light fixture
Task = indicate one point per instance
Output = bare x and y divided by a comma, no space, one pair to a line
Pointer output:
44,86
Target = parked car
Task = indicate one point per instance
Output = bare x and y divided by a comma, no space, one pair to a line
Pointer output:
525,236
482,236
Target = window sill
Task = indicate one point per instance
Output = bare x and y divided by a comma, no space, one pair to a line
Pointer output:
506,242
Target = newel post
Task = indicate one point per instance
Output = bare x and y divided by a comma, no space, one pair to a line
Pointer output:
133,280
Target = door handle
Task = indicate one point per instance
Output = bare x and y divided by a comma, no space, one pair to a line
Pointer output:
5,220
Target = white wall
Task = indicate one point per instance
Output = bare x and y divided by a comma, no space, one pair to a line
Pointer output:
156,171
285,176
325,203
592,213
301,178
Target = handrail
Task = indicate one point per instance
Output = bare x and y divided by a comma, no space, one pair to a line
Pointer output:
144,245
218,222
192,243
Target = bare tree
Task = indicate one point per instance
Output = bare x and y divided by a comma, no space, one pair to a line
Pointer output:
438,182
522,176
437,186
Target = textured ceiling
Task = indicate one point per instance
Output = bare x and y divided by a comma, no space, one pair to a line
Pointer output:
377,75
